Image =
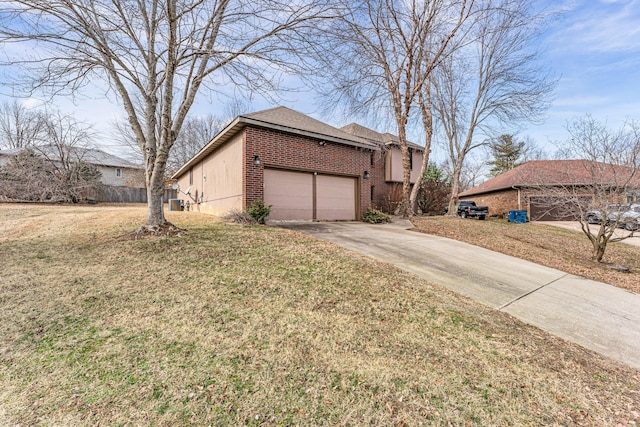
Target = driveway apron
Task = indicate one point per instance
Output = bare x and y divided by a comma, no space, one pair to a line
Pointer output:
594,315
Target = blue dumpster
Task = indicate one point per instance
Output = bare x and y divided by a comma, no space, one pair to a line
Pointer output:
519,217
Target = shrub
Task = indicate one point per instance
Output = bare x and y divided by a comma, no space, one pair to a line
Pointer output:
375,216
259,211
237,216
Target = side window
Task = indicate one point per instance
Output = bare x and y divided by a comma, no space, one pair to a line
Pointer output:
410,159
118,172
190,176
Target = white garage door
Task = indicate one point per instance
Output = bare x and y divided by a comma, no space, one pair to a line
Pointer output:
335,198
291,195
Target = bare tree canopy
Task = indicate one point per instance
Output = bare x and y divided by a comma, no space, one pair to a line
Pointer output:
52,167
601,192
156,56
195,134
494,80
19,126
383,54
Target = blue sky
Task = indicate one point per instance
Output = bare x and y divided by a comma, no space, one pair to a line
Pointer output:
594,49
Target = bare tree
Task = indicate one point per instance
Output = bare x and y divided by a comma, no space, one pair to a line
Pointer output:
384,52
156,56
426,113
195,134
471,174
600,185
494,80
52,167
19,126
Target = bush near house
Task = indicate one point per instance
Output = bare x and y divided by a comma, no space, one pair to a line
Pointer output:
259,211
374,216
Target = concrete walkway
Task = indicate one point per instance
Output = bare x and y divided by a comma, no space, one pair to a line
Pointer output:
575,226
597,316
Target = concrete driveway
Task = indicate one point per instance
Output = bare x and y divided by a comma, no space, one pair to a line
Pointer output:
597,316
575,226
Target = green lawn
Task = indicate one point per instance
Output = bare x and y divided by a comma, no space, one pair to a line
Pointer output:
231,325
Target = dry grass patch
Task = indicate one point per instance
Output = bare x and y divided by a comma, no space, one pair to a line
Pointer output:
551,246
232,325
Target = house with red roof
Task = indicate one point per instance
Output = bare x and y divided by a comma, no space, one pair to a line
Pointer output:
530,186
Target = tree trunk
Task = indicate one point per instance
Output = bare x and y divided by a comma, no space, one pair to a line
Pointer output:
455,189
598,251
155,202
405,208
427,124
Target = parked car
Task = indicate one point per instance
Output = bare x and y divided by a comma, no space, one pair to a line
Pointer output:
612,213
630,220
469,209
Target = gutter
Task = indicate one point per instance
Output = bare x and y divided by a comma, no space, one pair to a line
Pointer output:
241,122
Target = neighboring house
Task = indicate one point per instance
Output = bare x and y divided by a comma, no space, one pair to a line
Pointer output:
115,171
527,187
304,168
122,181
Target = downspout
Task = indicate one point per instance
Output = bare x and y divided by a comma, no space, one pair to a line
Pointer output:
519,201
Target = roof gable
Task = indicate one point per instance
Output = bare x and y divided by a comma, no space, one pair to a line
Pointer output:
285,120
294,120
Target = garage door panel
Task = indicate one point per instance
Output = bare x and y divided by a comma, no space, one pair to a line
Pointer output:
553,209
289,193
335,198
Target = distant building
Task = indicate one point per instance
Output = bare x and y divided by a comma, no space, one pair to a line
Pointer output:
122,181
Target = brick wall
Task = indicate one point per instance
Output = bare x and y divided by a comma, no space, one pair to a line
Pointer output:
296,152
386,195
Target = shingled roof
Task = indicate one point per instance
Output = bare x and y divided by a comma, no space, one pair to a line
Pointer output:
88,155
283,119
556,173
291,119
376,137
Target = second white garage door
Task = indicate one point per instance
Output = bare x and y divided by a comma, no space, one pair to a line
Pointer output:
303,196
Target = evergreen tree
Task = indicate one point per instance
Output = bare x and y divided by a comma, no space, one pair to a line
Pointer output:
434,191
507,154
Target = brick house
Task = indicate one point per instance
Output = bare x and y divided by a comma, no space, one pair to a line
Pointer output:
527,187
386,164
304,168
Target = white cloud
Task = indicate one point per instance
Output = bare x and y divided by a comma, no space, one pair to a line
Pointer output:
609,26
32,102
